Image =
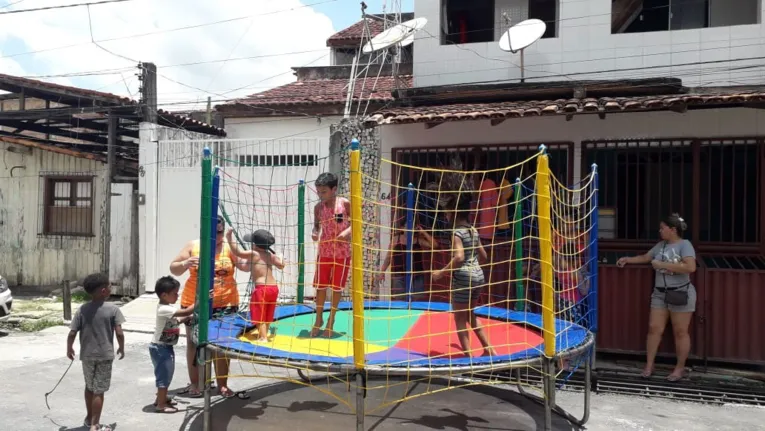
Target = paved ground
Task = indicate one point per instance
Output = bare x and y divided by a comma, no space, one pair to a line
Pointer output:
31,364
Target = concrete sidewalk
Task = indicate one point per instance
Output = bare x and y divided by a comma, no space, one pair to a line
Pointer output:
141,314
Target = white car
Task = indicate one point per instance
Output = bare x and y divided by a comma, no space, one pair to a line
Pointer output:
6,300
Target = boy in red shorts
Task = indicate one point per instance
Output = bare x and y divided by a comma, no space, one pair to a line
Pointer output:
262,258
332,228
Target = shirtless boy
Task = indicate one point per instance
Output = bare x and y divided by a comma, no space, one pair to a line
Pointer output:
262,259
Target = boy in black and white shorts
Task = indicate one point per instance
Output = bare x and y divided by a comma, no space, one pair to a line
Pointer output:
97,322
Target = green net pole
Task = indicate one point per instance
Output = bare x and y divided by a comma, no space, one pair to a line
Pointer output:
518,246
205,254
301,242
224,214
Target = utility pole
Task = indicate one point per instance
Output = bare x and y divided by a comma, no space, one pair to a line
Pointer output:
148,78
106,223
209,110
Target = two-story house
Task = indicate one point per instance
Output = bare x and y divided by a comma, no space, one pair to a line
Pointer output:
665,96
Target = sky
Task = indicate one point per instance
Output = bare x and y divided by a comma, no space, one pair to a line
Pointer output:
98,47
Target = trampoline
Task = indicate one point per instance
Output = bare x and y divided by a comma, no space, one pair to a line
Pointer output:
399,336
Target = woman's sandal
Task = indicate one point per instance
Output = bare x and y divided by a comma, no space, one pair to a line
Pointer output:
646,373
676,378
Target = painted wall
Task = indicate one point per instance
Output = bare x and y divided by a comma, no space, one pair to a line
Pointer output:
586,49
254,197
26,257
538,130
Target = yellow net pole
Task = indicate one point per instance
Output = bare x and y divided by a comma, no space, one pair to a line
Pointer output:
545,252
357,263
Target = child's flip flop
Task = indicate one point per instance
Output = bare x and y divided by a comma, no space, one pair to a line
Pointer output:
168,409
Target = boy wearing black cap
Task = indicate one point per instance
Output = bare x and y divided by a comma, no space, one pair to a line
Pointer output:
262,259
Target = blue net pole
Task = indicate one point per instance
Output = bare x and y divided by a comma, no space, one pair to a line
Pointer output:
409,239
213,231
593,297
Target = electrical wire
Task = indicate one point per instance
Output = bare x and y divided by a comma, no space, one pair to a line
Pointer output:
65,6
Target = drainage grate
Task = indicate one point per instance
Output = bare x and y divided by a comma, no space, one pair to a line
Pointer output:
612,383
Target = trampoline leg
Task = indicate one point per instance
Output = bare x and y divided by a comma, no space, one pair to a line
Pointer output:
205,373
549,390
359,402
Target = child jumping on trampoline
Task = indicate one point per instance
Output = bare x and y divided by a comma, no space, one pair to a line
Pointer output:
467,275
262,258
332,229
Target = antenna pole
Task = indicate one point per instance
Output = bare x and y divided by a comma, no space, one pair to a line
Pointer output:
523,71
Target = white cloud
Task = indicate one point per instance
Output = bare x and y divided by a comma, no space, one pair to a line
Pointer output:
273,27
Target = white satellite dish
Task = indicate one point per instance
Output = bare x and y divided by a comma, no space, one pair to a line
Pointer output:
394,35
408,41
520,36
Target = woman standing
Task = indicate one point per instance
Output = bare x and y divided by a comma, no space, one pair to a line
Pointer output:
674,297
225,300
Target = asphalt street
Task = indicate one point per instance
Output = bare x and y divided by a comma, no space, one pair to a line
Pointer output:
31,364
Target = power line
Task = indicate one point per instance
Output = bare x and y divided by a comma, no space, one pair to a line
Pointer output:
158,32
61,6
11,4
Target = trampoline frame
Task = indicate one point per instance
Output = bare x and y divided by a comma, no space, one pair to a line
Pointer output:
359,367
482,364
464,373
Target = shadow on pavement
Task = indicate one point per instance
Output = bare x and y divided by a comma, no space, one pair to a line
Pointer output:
289,406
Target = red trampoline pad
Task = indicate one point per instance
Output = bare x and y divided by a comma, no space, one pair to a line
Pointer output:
435,335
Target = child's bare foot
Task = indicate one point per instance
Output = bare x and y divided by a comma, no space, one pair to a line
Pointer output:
262,340
316,330
489,352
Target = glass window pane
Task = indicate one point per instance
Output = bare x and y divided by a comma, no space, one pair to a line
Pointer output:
61,189
61,203
83,203
83,189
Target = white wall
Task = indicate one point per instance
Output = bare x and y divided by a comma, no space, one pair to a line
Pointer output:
279,127
27,257
539,130
254,197
586,49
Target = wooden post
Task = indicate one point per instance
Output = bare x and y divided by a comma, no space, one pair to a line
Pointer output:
67,298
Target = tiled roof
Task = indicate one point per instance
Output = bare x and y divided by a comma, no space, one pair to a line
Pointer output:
84,93
352,35
107,99
534,108
326,91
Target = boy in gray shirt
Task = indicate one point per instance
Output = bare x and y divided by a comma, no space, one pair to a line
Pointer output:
97,322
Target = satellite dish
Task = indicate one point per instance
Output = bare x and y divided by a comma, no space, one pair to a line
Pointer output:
408,41
522,35
394,35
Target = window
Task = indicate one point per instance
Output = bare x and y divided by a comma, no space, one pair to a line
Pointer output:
637,16
68,205
468,22
278,160
485,20
641,182
491,157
